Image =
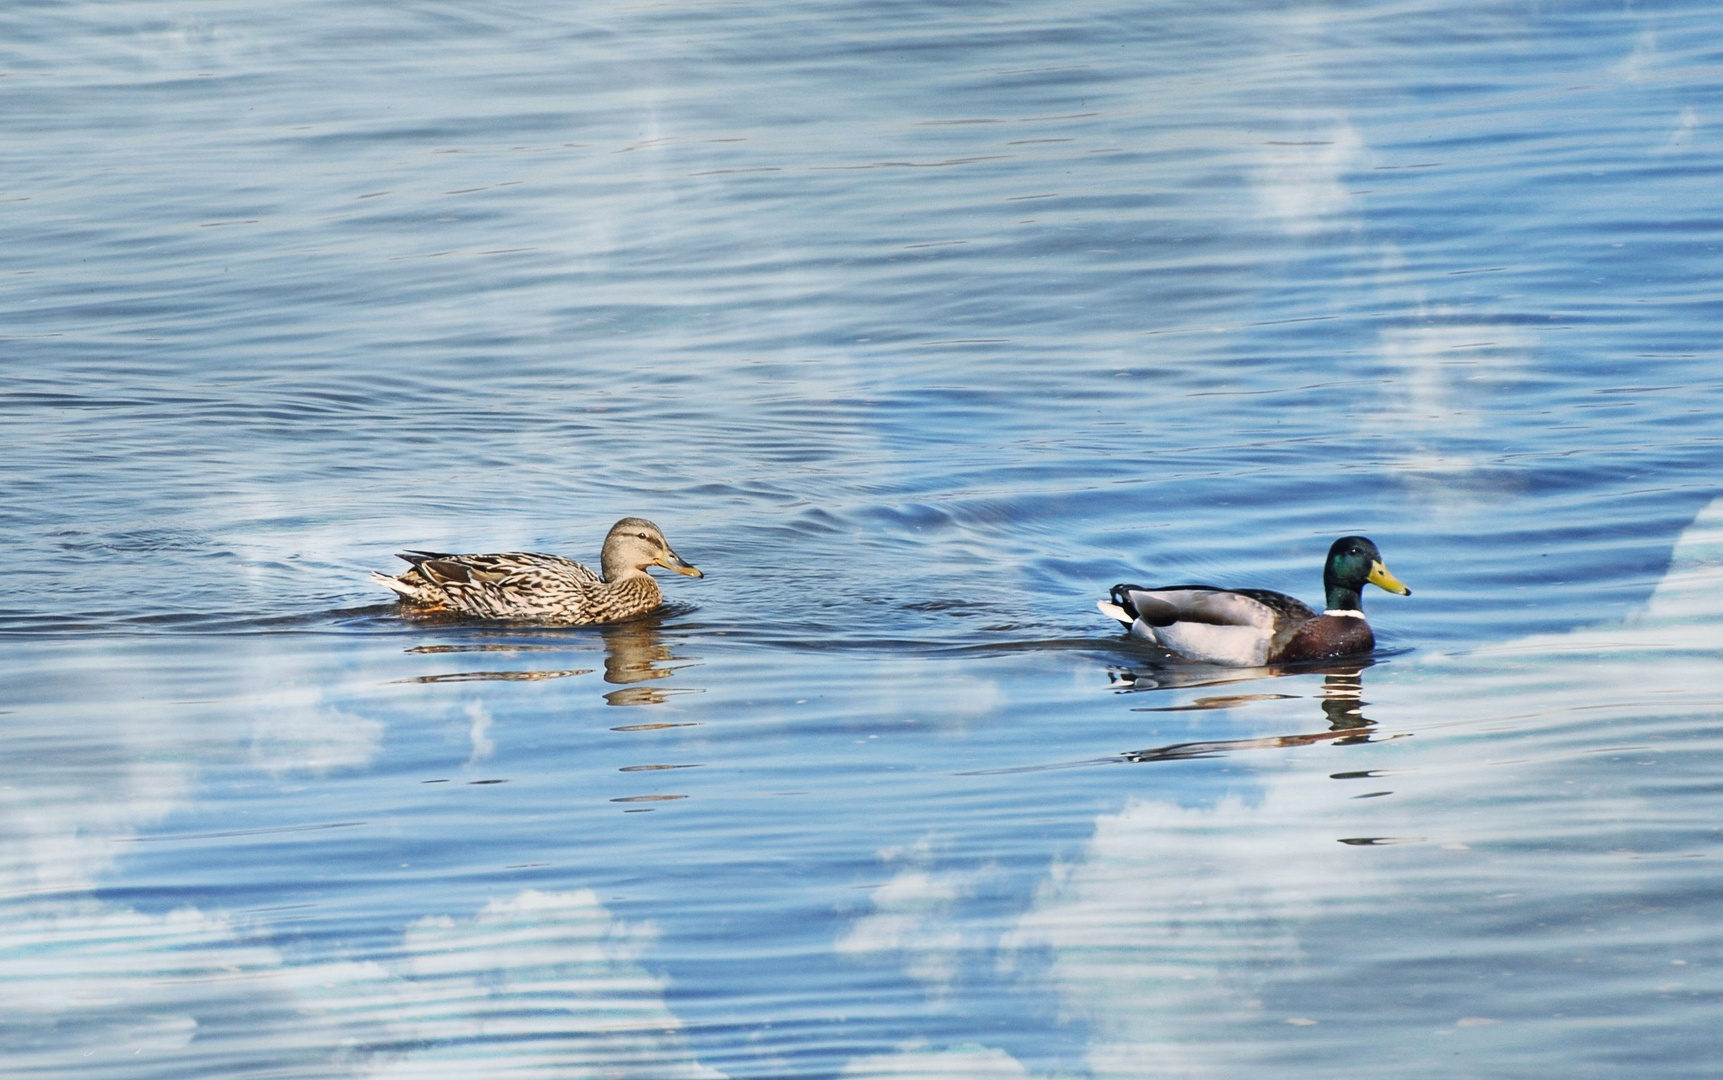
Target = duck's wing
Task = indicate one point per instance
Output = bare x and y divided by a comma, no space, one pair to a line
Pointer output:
499,566
1207,604
1287,609
1229,626
504,584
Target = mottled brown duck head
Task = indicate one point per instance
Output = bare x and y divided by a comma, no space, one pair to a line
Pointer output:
635,544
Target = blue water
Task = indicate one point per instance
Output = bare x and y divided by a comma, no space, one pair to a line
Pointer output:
916,327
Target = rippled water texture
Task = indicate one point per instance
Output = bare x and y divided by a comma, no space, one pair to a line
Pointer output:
916,326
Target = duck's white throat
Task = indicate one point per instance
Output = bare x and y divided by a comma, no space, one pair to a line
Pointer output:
1345,613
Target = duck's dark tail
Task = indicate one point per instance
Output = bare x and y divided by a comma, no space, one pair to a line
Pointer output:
1121,607
1121,595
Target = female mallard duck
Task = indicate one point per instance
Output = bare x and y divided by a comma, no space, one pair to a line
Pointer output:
1252,627
545,588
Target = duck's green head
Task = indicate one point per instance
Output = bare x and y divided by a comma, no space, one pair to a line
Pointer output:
1353,562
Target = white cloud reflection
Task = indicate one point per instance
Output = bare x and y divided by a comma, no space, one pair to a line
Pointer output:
1680,138
913,922
540,984
917,1061
1300,178
128,755
296,731
533,984
537,984
1445,374
1683,614
1164,932
478,733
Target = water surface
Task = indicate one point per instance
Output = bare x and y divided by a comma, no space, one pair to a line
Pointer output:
916,327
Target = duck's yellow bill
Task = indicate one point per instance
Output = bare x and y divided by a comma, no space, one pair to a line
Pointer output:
1381,578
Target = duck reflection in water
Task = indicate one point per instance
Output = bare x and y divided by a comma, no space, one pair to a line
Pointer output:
633,651
1342,705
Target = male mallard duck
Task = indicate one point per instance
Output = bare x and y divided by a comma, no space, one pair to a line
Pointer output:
1252,627
545,588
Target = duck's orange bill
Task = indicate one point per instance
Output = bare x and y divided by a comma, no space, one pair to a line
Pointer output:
673,561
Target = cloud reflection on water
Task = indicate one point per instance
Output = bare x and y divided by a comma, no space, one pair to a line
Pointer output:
1166,929
918,1061
913,919
535,983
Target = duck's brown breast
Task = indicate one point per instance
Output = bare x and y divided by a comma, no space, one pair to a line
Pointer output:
1326,636
604,603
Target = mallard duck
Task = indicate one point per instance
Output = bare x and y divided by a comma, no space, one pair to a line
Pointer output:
545,588
1252,627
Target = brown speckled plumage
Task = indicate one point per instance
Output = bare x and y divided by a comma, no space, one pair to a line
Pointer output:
544,588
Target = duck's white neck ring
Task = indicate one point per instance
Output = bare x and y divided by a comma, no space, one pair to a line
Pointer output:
1345,613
